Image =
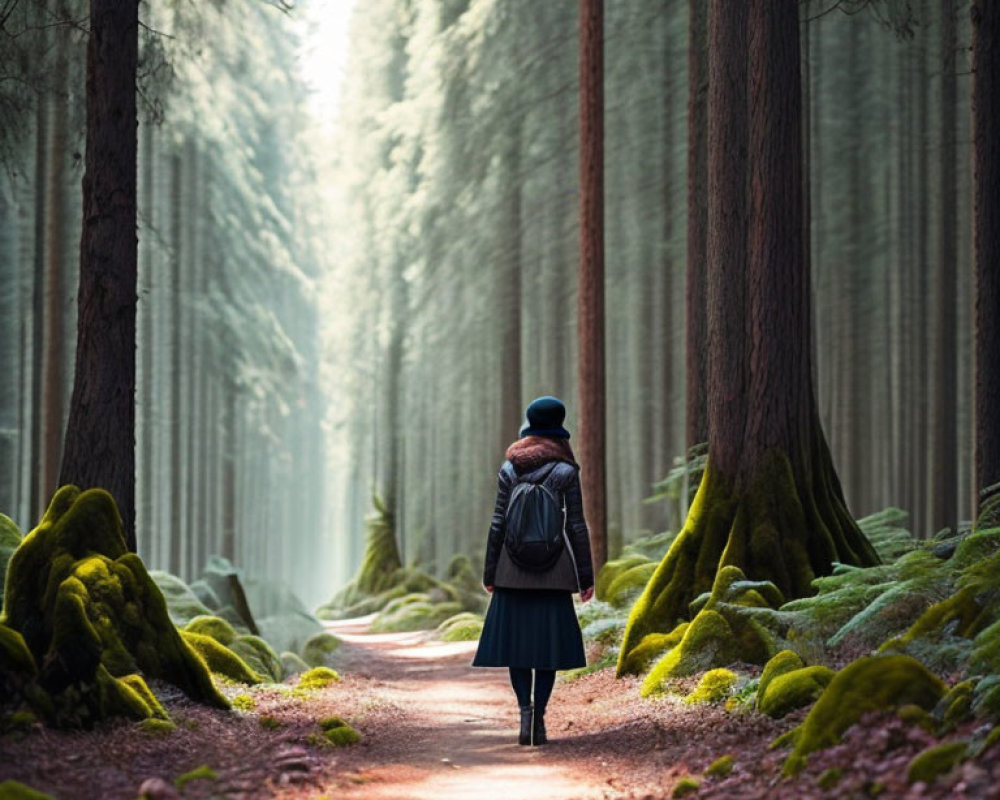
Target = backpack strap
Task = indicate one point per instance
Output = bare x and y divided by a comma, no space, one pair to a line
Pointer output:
559,476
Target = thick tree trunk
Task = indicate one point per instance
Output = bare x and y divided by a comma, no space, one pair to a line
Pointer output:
100,435
779,514
986,237
696,416
727,244
591,289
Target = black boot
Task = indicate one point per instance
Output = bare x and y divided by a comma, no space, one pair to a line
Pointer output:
538,727
524,737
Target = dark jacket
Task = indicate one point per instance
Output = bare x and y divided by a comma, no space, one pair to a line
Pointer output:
529,456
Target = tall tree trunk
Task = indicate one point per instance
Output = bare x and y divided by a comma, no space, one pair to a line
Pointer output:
944,437
591,288
986,238
695,305
37,499
727,245
769,502
56,257
509,293
100,434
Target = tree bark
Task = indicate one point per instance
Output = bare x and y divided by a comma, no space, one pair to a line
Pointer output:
727,244
100,437
591,289
695,303
944,435
986,242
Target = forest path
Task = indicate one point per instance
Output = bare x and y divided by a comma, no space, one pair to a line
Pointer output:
446,731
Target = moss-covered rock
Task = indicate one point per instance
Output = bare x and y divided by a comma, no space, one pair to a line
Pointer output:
463,627
956,705
781,663
337,732
685,786
220,659
216,627
795,689
720,768
872,683
319,648
10,540
615,567
413,613
935,761
15,790
259,656
317,678
629,583
714,687
90,615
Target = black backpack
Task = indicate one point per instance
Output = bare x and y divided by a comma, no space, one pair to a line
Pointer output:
535,519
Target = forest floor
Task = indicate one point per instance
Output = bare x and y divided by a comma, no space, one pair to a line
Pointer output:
434,728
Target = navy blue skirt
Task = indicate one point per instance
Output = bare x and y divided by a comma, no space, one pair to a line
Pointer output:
534,628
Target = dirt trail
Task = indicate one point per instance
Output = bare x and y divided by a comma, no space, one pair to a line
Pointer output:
451,729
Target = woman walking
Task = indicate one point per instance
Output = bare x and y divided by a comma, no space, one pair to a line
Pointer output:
537,555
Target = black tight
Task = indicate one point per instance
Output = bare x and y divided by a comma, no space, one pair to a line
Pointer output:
520,679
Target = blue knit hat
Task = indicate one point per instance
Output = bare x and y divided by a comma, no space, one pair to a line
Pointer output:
544,417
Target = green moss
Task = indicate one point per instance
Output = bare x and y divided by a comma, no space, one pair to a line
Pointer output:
714,687
707,641
221,659
244,702
156,727
779,664
612,569
15,790
871,683
409,614
464,627
317,678
685,786
141,688
985,656
259,656
829,778
270,723
319,648
90,615
720,768
936,761
337,732
15,657
956,705
629,583
652,647
202,773
20,720
216,627
10,540
795,689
